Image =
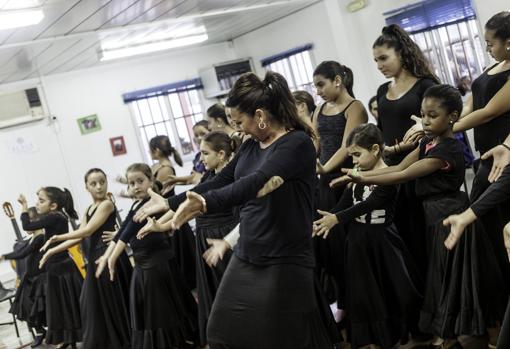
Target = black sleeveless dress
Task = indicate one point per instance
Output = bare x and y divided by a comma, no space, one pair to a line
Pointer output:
183,244
105,304
487,136
329,253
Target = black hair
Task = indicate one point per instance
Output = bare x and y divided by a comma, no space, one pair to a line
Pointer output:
332,69
500,24
63,199
365,136
271,94
302,96
146,170
218,140
372,100
162,143
217,111
202,123
449,97
91,171
412,58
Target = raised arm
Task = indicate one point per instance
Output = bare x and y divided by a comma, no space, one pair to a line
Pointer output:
499,104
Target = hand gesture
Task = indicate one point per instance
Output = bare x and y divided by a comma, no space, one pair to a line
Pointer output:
108,236
340,181
271,185
353,174
101,264
415,132
192,207
22,200
45,258
156,204
501,156
457,227
152,225
121,179
111,267
216,251
321,227
50,241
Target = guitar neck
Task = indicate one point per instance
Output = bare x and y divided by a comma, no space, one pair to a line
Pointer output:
17,231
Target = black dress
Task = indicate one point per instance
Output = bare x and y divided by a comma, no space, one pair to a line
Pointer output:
105,304
382,281
64,283
29,301
266,298
464,285
487,136
211,226
163,311
394,121
329,252
183,243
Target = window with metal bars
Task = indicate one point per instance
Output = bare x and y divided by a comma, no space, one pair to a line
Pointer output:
448,34
169,110
296,67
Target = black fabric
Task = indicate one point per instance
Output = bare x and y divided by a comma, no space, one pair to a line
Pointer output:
451,177
277,227
382,302
270,307
395,114
104,304
496,194
484,88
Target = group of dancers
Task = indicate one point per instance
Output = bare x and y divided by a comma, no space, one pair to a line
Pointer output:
296,207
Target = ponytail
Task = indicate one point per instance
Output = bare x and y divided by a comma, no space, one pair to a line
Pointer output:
412,58
69,205
271,94
177,157
63,199
162,143
331,69
218,140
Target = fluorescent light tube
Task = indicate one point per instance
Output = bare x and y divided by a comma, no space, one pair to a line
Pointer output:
20,18
151,47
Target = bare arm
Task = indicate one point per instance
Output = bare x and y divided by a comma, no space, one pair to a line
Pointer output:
498,105
410,159
356,115
468,107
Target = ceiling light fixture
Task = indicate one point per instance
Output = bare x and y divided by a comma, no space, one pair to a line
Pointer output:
106,55
20,18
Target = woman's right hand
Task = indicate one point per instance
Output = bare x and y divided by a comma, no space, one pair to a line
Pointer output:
216,251
415,132
156,204
23,201
501,159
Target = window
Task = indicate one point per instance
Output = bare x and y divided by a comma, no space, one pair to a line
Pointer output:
169,110
295,65
447,33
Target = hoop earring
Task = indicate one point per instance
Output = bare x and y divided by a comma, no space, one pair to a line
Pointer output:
262,125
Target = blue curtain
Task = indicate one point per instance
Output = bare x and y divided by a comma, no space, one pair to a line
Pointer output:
181,86
288,53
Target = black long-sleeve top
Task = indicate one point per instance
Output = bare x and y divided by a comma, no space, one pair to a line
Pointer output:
367,204
31,252
276,228
494,195
129,228
53,223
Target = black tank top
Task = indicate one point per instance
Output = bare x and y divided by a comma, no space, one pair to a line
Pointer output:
494,132
95,241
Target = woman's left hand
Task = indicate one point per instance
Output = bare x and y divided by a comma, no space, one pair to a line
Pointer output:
192,207
322,227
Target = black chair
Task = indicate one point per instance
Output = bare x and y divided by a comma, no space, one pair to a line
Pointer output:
7,294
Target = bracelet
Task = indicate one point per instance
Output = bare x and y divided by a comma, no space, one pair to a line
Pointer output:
505,145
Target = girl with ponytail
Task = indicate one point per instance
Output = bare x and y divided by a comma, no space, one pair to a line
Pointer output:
400,59
64,281
333,121
161,149
266,298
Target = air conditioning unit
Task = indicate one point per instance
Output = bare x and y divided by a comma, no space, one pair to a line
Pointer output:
219,79
20,107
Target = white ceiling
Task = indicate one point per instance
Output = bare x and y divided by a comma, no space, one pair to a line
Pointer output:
70,35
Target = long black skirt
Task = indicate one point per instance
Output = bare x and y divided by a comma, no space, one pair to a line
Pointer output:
464,287
493,221
382,285
163,311
29,301
266,307
184,249
64,283
105,305
208,279
329,252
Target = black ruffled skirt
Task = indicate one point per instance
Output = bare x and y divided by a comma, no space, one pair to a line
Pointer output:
163,311
270,307
105,305
382,285
29,303
464,287
208,279
64,283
